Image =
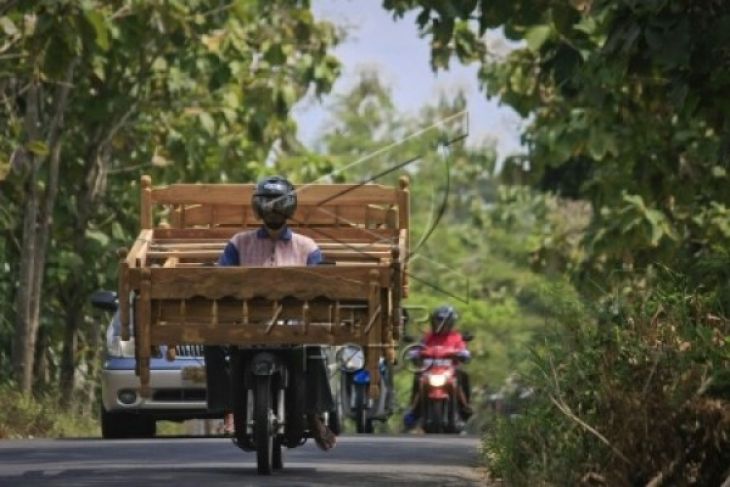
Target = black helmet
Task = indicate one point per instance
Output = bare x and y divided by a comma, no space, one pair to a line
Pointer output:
274,201
443,319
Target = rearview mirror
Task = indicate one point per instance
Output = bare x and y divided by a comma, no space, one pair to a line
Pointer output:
105,300
467,336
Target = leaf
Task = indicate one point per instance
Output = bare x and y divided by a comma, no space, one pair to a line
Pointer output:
655,220
206,120
98,22
58,55
38,147
8,26
98,236
159,160
230,98
275,55
586,25
70,260
443,29
289,95
98,67
423,18
601,143
117,231
564,18
213,41
537,36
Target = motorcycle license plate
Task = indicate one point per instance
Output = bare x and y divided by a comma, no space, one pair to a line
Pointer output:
193,374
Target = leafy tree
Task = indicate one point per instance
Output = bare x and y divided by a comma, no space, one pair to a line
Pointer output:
195,91
626,113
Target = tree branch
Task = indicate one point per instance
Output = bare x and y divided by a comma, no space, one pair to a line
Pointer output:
62,92
567,412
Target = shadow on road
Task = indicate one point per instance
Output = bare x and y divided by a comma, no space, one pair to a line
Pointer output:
227,476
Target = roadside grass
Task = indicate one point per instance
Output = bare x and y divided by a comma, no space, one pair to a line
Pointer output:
40,416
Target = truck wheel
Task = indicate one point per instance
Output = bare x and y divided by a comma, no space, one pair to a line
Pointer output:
125,425
110,428
262,428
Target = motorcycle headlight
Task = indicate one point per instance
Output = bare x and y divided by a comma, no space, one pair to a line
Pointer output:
116,347
437,380
351,358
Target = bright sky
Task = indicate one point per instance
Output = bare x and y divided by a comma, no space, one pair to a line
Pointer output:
375,40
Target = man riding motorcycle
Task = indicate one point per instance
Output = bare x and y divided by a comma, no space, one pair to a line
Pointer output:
443,320
274,244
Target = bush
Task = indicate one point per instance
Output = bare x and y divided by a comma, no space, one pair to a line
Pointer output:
636,396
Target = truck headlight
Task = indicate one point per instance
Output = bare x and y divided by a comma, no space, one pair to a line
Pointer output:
116,347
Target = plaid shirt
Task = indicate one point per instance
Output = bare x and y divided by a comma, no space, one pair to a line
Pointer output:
256,248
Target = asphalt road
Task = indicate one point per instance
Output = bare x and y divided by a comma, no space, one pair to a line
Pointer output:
180,462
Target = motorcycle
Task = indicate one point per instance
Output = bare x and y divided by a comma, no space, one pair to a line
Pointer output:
438,388
354,399
268,401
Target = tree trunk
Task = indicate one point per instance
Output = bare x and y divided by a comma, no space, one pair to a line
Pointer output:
38,221
41,370
25,331
23,351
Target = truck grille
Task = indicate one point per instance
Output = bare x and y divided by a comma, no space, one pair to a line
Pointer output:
189,351
177,395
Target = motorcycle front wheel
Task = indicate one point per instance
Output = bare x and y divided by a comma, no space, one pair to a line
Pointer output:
262,427
363,424
434,417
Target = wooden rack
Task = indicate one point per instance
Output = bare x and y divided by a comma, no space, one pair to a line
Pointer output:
169,281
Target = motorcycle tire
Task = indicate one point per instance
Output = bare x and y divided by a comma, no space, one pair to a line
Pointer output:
362,423
262,427
277,460
434,417
452,413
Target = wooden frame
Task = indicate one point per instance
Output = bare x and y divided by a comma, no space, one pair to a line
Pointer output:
181,297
